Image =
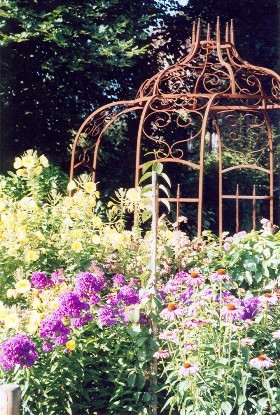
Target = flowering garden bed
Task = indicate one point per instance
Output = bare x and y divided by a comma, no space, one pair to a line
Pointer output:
82,329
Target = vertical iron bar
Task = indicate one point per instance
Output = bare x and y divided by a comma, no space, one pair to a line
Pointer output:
152,284
237,209
254,207
178,194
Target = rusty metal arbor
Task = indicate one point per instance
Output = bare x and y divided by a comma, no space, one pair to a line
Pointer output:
211,89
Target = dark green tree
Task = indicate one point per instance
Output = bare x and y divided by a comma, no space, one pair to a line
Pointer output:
60,60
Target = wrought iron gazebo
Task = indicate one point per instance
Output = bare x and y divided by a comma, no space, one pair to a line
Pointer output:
211,92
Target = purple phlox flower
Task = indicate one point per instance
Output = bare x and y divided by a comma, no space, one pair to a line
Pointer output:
81,321
87,284
186,295
194,279
240,235
57,277
112,300
172,311
69,305
232,311
94,299
143,319
119,280
252,306
128,295
220,276
47,347
40,281
227,243
108,316
53,328
18,350
134,281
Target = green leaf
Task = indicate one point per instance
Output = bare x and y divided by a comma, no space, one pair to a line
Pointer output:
145,176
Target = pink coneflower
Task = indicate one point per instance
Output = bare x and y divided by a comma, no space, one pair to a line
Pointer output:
232,311
194,279
161,354
268,298
276,334
220,275
171,312
247,341
190,346
188,369
169,335
261,362
196,323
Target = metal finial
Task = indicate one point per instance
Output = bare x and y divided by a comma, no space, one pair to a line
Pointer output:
231,32
227,33
193,32
198,31
208,32
218,31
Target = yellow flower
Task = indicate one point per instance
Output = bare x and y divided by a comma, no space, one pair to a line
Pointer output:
20,172
77,233
44,161
110,203
3,314
32,327
12,321
38,170
97,222
36,303
31,256
133,195
71,185
11,293
54,304
95,239
90,187
2,205
23,286
77,246
71,345
40,236
17,163
28,162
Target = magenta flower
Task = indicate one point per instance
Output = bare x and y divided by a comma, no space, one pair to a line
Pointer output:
190,346
261,362
161,354
18,350
232,311
247,341
220,276
169,335
172,312
188,369
268,298
276,334
194,279
40,281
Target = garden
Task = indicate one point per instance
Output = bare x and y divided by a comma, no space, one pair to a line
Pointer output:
112,300
86,328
